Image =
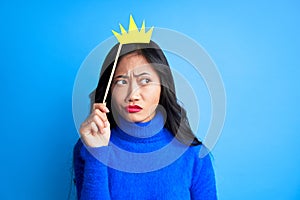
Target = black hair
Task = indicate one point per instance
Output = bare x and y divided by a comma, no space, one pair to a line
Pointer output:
176,118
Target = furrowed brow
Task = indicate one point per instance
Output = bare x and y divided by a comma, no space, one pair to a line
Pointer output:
141,74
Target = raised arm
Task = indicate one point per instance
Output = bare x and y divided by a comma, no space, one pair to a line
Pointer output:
90,156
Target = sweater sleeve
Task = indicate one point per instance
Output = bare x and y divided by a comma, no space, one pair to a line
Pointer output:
203,181
91,176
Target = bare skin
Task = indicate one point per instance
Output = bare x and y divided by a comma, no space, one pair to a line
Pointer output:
95,130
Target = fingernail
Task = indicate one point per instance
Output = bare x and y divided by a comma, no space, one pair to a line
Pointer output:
106,109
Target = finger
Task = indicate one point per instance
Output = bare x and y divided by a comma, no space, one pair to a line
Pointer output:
107,128
100,124
86,127
86,122
94,127
101,115
102,107
100,120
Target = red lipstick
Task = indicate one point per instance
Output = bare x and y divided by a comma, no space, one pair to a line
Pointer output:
133,109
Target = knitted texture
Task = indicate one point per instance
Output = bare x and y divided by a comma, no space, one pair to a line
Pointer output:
117,172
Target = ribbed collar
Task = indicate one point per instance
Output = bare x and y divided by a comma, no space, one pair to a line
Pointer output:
142,131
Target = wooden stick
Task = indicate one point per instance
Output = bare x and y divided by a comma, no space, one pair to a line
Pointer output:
112,73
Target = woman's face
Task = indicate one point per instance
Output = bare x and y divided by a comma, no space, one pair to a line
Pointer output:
135,88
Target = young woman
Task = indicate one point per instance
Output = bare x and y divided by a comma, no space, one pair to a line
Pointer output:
139,144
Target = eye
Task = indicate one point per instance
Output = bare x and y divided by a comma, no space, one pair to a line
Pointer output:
120,82
145,81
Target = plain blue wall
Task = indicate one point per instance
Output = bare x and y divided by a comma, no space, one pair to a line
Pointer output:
255,46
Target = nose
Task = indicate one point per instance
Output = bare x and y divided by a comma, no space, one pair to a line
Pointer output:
133,92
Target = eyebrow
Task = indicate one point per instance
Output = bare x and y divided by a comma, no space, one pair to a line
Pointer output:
122,76
141,74
125,76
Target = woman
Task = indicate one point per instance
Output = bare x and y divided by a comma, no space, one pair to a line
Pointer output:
141,116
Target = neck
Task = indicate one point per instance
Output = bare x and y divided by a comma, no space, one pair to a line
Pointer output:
142,129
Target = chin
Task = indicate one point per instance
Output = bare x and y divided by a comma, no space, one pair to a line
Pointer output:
133,118
136,117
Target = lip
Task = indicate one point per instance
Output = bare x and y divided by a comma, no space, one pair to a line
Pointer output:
133,108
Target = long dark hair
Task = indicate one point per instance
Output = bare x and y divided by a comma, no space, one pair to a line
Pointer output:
176,121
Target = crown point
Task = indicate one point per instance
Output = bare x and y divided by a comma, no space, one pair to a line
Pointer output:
143,27
123,31
132,24
133,35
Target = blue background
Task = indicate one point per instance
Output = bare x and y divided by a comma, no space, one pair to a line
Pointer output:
255,46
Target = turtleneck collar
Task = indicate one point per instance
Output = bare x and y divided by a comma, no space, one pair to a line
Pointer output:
141,131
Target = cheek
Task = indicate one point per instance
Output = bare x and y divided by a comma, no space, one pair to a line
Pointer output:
154,95
117,95
157,98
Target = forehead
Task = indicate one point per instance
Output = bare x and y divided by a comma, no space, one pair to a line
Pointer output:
133,63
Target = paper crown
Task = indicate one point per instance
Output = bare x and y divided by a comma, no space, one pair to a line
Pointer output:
133,35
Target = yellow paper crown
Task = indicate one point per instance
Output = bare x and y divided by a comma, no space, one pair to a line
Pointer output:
133,35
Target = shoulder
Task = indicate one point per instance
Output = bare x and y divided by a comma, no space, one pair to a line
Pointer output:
78,146
77,149
200,154
199,150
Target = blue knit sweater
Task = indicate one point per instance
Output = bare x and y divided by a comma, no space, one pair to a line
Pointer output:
143,161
